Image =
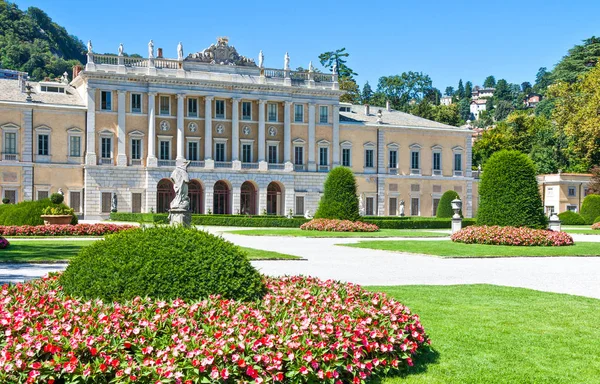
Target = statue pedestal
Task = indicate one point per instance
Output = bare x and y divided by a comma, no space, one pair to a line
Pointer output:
180,217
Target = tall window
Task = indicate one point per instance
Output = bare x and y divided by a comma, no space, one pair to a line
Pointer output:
43,145
246,110
346,157
106,100
572,192
106,198
136,149
193,107
414,160
323,114
369,158
165,150
414,206
299,205
193,151
136,202
10,142
246,153
323,156
75,201
106,148
220,152
272,112
436,202
220,109
437,161
165,105
136,103
75,146
298,155
272,154
458,162
298,113
393,204
393,159
370,206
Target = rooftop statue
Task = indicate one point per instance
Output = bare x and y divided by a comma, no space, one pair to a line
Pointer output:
89,46
121,49
286,61
261,59
151,50
179,51
221,53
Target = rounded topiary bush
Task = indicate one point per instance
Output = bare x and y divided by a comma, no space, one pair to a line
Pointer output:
165,263
339,200
571,218
590,209
56,198
508,192
444,208
24,213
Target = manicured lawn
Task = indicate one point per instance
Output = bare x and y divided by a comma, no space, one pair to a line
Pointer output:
297,232
258,254
489,334
37,251
583,231
450,249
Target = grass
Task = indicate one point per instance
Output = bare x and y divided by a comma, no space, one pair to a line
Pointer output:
451,249
297,232
490,334
52,251
583,231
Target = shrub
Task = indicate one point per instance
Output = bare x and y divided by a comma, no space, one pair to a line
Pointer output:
508,192
162,262
63,230
24,213
411,222
522,236
597,220
339,200
332,225
596,225
590,209
305,330
58,209
444,209
140,217
3,243
57,198
571,218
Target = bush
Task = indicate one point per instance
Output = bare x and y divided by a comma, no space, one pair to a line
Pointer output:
411,222
3,243
56,198
508,192
333,225
162,262
590,209
571,218
596,225
305,330
63,230
522,236
444,209
140,217
339,200
597,220
58,209
24,213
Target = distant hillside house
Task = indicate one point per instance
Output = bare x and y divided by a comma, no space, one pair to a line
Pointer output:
478,106
532,100
480,93
563,191
446,100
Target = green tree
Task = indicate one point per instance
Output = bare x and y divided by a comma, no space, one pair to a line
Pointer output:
339,200
543,79
367,93
464,109
509,193
594,185
502,90
526,87
502,110
339,57
590,208
461,90
444,209
352,94
449,91
579,60
489,82
401,89
447,114
468,89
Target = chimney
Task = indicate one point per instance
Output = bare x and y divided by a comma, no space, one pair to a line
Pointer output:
159,56
367,109
387,106
76,70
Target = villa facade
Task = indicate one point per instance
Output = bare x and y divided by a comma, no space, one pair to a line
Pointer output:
259,140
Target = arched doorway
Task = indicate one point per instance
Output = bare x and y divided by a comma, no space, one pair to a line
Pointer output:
248,199
164,195
274,199
221,198
195,194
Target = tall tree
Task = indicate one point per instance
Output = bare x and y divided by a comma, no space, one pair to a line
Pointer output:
594,185
502,90
464,109
367,93
468,89
489,82
352,89
543,79
401,89
526,87
449,91
580,59
339,57
502,110
461,89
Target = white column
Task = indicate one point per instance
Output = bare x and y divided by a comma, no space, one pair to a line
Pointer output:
90,154
312,165
235,129
121,153
336,134
261,131
151,160
180,129
287,132
208,128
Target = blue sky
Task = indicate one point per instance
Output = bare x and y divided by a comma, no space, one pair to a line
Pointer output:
447,40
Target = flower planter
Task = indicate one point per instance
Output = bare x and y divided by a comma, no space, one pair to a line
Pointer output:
57,219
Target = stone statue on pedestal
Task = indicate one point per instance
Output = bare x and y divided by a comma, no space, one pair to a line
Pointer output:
151,50
114,202
89,46
180,206
361,205
401,209
121,49
308,215
286,61
180,51
261,59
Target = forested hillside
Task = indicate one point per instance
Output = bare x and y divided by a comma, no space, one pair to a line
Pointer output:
31,42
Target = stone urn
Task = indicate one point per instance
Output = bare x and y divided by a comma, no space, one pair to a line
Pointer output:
57,219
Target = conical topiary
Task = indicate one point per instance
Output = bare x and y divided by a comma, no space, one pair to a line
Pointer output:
339,200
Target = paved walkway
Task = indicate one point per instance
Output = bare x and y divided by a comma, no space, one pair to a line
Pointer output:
324,259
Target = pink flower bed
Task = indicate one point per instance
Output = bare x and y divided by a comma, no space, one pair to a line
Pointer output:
596,226
304,330
3,243
495,235
333,225
63,230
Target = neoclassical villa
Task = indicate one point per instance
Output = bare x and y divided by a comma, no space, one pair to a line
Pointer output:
259,140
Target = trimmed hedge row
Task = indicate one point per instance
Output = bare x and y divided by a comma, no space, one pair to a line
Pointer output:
416,223
28,212
571,218
244,221
139,217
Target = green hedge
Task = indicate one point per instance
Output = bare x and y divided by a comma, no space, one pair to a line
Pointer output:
415,223
26,213
139,217
244,221
571,218
339,200
590,209
444,209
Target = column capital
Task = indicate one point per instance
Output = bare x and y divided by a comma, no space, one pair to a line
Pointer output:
288,103
262,101
152,93
208,98
180,96
121,91
236,99
336,107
